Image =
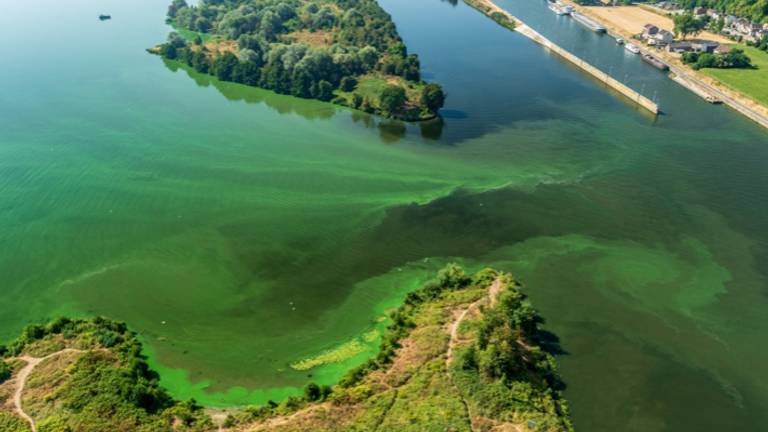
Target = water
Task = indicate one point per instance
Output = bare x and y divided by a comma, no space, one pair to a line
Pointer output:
241,231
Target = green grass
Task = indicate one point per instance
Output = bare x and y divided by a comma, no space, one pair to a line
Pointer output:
370,87
190,35
751,82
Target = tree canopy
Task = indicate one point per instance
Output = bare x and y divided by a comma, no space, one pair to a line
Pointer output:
299,47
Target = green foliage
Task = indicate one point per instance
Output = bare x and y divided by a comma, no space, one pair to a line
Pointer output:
736,58
365,42
433,97
110,386
392,99
686,24
12,423
506,372
755,10
5,371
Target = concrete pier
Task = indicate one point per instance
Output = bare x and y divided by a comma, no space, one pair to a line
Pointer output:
489,8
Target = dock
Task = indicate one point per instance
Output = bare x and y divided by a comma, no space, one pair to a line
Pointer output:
490,9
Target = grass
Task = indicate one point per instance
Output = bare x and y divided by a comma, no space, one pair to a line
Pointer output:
371,85
750,82
190,35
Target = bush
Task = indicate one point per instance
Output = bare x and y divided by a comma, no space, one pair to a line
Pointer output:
5,371
392,99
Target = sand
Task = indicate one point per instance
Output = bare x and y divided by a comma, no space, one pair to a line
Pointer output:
631,19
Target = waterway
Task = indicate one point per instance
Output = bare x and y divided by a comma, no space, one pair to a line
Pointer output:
241,232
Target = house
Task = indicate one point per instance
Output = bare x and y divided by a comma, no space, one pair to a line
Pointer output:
663,37
699,11
730,20
649,30
679,47
699,46
704,46
715,15
722,49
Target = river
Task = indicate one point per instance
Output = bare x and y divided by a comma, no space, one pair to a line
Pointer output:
241,231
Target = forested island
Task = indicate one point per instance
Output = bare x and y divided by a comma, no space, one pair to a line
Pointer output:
462,353
343,51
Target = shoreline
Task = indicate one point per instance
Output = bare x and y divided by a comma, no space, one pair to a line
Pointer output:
495,12
695,81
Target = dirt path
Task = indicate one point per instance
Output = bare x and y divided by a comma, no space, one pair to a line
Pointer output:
492,297
21,381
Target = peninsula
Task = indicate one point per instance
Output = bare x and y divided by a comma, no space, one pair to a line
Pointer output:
462,353
348,53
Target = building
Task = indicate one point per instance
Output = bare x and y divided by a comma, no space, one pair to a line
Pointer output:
722,49
699,11
699,46
649,30
664,37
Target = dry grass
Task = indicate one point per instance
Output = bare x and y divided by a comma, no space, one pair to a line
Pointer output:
631,19
317,39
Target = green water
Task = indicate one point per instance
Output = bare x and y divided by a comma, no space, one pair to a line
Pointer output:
241,232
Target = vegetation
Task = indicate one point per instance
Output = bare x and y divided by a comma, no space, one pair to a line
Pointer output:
756,10
686,24
501,18
507,372
322,49
105,385
500,376
5,371
751,81
503,378
733,59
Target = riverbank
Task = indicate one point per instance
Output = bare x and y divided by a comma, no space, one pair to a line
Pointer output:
500,15
623,24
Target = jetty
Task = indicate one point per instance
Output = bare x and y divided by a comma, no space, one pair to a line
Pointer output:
491,9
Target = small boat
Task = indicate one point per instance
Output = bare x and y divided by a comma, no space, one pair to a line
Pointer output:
653,61
103,17
620,41
632,48
556,8
713,100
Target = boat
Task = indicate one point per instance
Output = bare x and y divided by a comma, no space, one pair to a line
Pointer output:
620,41
632,48
560,9
104,17
713,100
588,22
653,61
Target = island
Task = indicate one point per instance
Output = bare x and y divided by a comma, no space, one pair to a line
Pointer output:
340,51
462,353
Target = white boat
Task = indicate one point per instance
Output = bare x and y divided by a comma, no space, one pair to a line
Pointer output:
620,41
632,48
558,9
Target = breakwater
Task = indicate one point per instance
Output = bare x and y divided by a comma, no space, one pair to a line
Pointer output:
500,15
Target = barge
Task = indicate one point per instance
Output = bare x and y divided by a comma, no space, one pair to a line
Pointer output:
653,61
588,22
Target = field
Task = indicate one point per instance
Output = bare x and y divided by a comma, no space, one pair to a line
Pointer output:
751,82
632,19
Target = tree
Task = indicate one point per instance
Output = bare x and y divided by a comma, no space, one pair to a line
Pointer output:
312,392
348,83
686,24
324,90
433,97
392,99
5,371
736,59
225,65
